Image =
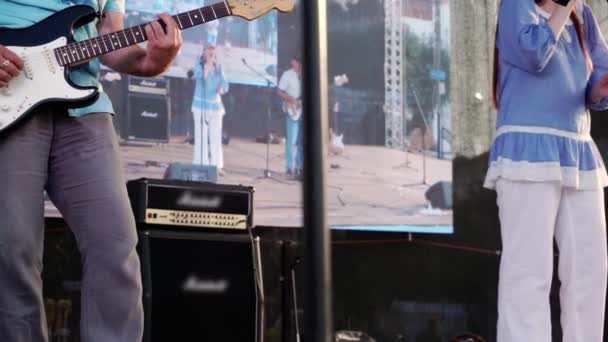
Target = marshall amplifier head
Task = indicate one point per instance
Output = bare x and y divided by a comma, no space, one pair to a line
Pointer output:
175,203
148,85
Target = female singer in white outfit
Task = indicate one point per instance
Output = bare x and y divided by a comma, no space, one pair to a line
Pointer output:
208,110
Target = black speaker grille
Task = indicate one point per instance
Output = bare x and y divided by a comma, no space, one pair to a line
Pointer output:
148,118
199,287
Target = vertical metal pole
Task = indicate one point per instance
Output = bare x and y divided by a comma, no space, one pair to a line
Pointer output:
317,253
437,66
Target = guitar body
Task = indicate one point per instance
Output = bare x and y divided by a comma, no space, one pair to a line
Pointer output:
43,79
294,112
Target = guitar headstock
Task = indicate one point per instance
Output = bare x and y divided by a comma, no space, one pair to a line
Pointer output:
252,9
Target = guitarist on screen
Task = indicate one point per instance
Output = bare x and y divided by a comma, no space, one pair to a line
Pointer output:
290,90
73,155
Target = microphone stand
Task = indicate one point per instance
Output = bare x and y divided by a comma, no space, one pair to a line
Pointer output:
426,127
267,174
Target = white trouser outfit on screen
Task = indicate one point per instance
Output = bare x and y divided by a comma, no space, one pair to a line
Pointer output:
208,137
531,214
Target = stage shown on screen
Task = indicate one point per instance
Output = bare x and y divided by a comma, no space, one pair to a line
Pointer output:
239,42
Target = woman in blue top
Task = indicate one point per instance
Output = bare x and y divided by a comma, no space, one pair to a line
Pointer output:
550,68
208,109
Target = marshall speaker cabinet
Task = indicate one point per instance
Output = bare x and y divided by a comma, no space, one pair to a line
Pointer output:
198,286
147,114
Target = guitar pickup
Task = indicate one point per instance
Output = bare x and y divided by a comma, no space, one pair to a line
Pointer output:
27,68
48,57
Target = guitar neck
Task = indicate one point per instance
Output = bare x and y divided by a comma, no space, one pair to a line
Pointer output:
78,52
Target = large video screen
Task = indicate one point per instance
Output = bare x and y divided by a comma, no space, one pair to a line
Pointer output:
247,49
389,167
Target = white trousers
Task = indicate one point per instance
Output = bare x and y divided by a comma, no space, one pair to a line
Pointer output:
208,138
531,214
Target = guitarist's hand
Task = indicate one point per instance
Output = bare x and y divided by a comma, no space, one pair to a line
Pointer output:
10,66
162,46
293,102
134,60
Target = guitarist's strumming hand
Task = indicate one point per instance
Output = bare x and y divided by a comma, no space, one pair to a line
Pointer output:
10,66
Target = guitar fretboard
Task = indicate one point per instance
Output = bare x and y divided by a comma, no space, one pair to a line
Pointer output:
77,52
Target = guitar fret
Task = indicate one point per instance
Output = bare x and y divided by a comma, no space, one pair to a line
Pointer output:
121,41
63,55
226,9
207,15
179,22
133,35
189,17
127,38
86,49
200,10
103,40
215,15
82,49
74,48
97,45
142,33
66,54
72,52
115,42
180,17
90,46
74,55
122,34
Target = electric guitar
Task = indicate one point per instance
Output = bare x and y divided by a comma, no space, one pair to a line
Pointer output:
49,51
293,110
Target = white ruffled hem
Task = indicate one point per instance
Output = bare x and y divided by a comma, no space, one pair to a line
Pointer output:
545,172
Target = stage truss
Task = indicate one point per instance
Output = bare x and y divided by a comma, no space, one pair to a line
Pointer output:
393,73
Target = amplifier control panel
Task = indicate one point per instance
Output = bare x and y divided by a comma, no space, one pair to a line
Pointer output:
195,219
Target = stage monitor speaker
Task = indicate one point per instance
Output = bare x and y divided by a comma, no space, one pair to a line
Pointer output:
197,286
147,118
440,195
191,172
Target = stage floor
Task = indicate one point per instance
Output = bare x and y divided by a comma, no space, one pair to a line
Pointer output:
367,185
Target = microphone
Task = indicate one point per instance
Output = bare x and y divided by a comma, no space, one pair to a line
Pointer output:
244,61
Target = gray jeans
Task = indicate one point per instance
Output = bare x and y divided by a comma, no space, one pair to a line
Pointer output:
77,161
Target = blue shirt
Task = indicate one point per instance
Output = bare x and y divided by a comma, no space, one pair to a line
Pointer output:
543,124
24,13
205,91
